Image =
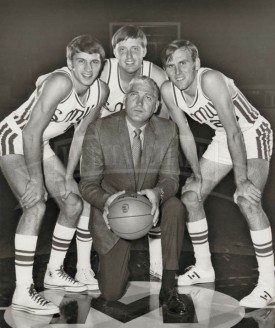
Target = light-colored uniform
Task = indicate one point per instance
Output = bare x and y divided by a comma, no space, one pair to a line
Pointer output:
68,113
116,96
257,132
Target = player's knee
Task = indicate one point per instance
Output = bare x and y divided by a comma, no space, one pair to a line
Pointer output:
190,199
173,203
73,205
37,210
112,294
248,208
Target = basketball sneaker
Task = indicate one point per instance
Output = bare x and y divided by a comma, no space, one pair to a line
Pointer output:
26,298
195,275
59,279
260,297
87,277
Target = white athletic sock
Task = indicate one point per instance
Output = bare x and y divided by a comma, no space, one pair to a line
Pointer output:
262,242
62,237
25,247
155,253
198,232
83,243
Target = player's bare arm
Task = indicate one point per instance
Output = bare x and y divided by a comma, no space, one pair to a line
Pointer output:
76,145
159,76
56,88
187,141
215,87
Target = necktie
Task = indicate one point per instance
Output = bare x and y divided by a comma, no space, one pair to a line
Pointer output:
136,149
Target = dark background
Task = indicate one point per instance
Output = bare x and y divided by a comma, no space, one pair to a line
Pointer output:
236,37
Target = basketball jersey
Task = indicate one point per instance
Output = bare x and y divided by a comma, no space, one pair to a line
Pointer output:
203,111
69,111
116,96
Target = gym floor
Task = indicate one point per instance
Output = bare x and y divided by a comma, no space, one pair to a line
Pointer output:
216,305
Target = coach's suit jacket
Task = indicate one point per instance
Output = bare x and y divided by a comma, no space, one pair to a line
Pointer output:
107,166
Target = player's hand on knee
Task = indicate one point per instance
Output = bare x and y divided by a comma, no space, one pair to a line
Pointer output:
107,204
67,188
35,191
247,190
154,197
193,184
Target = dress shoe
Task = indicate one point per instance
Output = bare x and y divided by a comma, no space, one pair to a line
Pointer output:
177,304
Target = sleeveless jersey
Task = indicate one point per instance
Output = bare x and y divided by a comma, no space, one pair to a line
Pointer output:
69,112
115,100
202,109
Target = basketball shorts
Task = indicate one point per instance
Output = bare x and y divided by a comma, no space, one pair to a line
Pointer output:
11,141
258,142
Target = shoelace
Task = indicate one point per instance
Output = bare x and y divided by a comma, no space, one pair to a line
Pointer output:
64,275
36,297
88,273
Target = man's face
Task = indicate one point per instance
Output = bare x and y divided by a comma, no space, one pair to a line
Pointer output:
140,103
130,54
181,69
85,67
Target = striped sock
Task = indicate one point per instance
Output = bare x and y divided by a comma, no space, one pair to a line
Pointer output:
198,232
83,243
25,247
262,242
62,237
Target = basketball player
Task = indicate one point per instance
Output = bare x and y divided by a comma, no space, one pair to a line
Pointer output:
70,96
130,46
243,140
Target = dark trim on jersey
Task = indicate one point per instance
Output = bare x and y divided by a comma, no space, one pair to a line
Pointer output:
174,93
78,100
150,69
195,99
109,71
70,76
7,141
200,76
248,107
118,79
237,104
69,95
264,141
3,128
99,91
26,113
11,145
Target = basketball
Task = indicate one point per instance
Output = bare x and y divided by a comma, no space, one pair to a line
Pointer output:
130,216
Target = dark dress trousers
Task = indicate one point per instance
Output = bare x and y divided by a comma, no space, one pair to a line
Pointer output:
107,167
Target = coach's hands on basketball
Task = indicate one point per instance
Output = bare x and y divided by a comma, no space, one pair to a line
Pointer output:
107,204
154,197
35,191
247,191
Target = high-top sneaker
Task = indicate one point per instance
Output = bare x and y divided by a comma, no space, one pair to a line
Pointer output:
87,277
26,298
59,279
